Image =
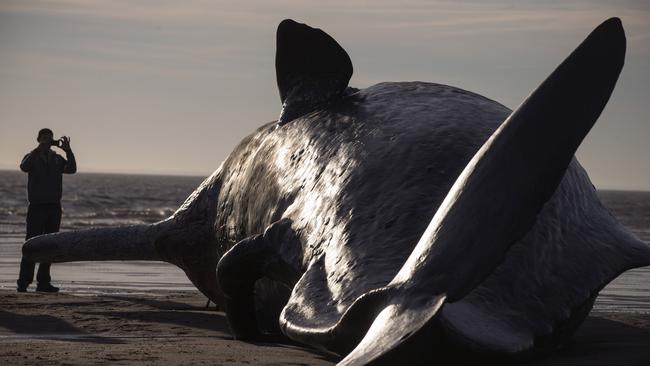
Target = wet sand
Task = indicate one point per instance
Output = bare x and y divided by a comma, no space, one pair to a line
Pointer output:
175,328
127,329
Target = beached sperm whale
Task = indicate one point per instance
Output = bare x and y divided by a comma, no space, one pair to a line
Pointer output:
399,220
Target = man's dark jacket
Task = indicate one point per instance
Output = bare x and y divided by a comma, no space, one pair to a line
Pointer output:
44,182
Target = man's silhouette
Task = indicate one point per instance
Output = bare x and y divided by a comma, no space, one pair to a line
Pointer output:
44,188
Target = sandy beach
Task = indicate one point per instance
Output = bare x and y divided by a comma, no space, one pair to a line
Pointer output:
175,328
126,329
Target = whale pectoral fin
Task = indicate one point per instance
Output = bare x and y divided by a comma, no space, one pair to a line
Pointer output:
496,200
249,260
397,327
312,69
313,316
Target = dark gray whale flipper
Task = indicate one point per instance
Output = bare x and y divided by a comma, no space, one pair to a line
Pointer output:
496,199
246,262
312,69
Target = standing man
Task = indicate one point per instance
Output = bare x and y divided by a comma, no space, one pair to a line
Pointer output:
44,188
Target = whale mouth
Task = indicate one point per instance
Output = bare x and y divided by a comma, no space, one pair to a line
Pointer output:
135,242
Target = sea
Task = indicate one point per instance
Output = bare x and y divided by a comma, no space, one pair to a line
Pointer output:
100,200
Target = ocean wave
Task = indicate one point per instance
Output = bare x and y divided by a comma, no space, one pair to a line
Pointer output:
98,200
124,212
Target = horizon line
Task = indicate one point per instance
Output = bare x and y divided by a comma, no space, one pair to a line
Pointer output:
127,172
197,175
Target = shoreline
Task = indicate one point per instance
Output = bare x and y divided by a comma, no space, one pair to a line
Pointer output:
174,328
628,293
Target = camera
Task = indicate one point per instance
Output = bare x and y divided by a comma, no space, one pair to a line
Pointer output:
56,143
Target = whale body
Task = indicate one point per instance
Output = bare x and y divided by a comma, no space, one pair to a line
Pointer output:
400,220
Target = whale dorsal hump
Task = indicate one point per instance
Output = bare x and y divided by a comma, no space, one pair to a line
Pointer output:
312,69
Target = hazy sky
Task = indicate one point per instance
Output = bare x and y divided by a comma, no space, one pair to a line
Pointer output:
172,86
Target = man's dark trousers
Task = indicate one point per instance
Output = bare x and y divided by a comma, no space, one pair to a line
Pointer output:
42,218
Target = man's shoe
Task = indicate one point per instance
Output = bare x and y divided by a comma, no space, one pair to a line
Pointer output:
47,287
21,289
